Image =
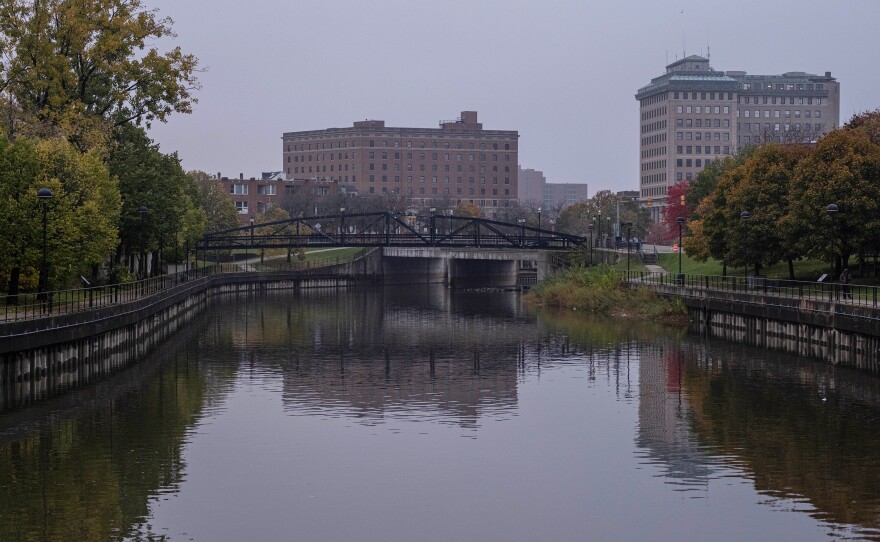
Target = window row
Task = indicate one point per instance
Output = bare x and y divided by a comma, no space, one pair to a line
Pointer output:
788,113
708,109
395,144
772,100
702,96
702,123
756,127
702,136
782,86
434,180
699,149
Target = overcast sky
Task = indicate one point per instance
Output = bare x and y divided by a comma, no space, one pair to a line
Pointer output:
562,73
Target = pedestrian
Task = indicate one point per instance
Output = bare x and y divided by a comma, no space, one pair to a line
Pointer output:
844,282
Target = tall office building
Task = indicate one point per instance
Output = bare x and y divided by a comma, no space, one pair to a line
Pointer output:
459,162
564,194
531,185
693,114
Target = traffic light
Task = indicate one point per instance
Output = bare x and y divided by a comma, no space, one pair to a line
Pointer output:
649,201
681,200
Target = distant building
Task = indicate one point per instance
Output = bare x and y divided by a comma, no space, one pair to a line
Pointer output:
459,162
692,115
564,194
531,185
256,196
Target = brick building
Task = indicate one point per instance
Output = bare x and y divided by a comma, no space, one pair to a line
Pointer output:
459,162
255,196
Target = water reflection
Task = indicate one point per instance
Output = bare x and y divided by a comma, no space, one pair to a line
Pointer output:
306,404
804,431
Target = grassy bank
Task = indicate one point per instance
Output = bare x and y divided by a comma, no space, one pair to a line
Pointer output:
806,270
600,290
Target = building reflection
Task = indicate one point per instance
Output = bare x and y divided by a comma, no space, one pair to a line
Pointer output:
664,433
427,351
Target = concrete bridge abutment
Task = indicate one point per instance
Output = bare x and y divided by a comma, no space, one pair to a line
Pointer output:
461,267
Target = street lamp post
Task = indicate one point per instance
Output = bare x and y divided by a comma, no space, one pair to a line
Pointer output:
44,195
142,210
433,224
744,216
342,225
680,222
252,233
628,226
539,218
832,210
599,232
590,228
522,230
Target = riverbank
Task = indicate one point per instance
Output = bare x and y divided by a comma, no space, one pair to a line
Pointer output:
601,290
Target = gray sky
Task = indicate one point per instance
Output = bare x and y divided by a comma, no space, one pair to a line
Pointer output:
562,73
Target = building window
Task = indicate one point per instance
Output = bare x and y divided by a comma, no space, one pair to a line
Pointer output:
241,207
239,189
266,189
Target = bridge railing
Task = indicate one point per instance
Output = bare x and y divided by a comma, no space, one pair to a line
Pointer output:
32,306
783,290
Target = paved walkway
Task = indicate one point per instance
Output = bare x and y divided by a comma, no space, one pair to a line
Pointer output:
248,265
655,269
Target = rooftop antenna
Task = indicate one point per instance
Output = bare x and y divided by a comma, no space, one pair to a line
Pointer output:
708,53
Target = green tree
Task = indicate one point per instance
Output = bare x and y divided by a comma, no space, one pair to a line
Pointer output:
761,185
155,181
842,170
81,217
219,209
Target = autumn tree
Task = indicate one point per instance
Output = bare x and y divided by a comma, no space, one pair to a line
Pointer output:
78,68
676,206
215,202
762,186
842,170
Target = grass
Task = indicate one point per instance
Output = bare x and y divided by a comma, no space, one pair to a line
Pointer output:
806,270
601,290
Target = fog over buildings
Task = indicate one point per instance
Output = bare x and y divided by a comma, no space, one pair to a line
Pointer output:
561,74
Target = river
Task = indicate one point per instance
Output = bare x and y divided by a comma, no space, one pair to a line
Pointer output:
432,415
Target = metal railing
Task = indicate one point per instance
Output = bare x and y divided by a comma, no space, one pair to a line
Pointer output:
32,306
767,291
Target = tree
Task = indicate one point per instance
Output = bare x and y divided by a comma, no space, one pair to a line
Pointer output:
676,207
842,170
76,68
156,181
466,209
215,202
762,186
81,217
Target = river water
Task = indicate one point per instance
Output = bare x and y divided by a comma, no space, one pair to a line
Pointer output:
430,415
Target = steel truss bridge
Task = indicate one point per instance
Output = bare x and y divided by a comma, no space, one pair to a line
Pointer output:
386,229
